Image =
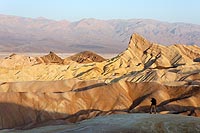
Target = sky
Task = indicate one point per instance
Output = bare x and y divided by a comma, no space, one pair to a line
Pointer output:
187,11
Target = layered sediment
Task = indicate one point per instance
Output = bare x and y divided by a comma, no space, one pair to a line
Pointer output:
36,90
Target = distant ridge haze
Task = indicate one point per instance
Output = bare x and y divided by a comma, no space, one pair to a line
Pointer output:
19,34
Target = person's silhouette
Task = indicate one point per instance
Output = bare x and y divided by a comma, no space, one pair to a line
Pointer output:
192,113
153,106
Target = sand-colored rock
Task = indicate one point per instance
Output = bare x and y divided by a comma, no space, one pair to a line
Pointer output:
50,58
31,103
86,57
15,61
143,61
44,89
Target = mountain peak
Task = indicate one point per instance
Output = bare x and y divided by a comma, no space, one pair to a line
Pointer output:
139,42
50,58
86,57
41,18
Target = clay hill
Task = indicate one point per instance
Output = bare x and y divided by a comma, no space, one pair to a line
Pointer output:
45,94
15,61
19,34
50,58
86,57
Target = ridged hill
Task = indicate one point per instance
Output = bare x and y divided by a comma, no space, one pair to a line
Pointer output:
19,34
86,57
152,55
15,61
50,58
155,62
142,61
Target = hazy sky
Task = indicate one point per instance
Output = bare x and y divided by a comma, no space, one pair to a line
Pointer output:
165,10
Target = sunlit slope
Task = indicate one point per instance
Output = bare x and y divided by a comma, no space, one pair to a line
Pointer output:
32,103
142,61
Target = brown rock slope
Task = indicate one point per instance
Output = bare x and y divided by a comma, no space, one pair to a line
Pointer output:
30,104
86,57
50,58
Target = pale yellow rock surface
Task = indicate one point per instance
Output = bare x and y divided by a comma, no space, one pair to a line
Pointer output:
17,61
38,90
140,58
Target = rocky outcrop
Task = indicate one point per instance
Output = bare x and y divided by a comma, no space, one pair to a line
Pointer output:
50,58
126,123
151,55
86,57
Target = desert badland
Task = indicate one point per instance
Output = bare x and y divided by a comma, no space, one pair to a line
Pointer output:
50,90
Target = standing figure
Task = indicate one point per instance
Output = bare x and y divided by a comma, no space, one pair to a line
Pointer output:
153,106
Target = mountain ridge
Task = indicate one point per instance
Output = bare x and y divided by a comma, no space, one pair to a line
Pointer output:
20,34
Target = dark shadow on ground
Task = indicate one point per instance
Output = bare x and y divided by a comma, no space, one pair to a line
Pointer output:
171,109
21,117
17,116
137,101
194,90
89,87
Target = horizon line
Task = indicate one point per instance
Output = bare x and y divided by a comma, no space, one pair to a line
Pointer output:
81,19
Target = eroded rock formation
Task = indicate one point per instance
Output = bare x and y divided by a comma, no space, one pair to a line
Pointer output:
31,103
86,57
47,88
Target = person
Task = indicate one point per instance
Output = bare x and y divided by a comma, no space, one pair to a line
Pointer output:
192,113
153,106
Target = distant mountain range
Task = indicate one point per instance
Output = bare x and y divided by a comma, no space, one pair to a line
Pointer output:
19,34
